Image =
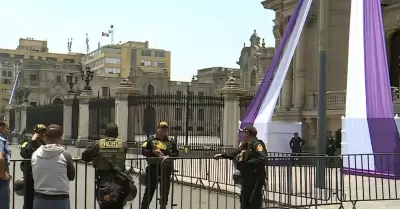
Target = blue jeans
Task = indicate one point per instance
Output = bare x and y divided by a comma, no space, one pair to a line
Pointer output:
40,203
5,194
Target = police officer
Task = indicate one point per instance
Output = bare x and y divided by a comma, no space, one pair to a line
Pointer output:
252,159
111,188
330,146
296,143
155,147
27,148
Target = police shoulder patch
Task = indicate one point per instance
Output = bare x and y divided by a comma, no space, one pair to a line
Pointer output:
260,148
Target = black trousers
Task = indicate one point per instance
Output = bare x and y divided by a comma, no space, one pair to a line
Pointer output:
155,174
251,192
29,191
119,204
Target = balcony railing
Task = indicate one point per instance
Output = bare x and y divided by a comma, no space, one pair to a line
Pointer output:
337,99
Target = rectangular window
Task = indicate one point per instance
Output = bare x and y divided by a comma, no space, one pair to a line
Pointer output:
146,53
159,53
146,63
39,58
104,91
178,113
4,73
6,81
190,114
32,77
10,74
161,64
113,60
200,114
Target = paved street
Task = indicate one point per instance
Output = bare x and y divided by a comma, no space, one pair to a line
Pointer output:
184,196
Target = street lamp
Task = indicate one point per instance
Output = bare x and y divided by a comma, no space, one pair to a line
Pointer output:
71,80
87,76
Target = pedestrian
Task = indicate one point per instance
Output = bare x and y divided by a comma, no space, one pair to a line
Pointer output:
108,156
251,162
5,156
52,169
26,151
155,149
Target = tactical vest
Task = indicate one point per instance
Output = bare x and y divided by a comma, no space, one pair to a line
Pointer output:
112,149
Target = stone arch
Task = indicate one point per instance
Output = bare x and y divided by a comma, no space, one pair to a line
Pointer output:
253,78
57,101
394,61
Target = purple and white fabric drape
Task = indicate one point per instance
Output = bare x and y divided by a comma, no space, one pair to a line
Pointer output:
369,126
260,110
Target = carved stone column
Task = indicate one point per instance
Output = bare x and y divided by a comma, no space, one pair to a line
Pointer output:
125,88
300,73
231,92
287,90
67,115
83,131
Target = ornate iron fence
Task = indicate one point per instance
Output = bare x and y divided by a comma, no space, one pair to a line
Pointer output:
101,112
193,120
45,114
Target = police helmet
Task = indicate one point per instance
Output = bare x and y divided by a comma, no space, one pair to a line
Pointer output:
39,127
19,186
131,195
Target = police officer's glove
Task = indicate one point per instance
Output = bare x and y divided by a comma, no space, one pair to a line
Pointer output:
217,156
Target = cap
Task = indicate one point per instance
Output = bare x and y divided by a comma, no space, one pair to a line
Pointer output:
163,124
249,129
39,127
53,130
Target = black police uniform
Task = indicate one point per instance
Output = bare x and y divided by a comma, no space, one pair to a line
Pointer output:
251,162
157,172
105,175
27,148
296,144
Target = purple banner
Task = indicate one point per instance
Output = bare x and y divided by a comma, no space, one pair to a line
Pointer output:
380,115
254,107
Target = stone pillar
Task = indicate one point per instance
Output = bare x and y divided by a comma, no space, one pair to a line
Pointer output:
125,88
311,131
287,90
83,132
17,122
300,73
8,108
67,115
24,107
231,92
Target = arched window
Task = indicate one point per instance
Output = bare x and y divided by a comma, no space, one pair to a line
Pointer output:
150,89
253,78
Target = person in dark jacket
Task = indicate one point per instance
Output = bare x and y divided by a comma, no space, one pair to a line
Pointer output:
155,149
330,146
27,148
251,162
296,143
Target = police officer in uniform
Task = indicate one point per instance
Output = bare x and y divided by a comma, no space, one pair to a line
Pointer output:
330,146
252,159
27,148
296,144
156,148
111,188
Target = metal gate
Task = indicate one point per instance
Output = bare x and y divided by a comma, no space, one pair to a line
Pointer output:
244,103
75,118
193,120
101,112
46,114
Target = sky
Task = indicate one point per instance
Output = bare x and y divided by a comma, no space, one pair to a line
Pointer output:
199,34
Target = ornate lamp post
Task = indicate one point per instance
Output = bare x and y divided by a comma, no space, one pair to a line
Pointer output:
87,76
71,80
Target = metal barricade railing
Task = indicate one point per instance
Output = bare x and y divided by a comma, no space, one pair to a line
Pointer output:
293,181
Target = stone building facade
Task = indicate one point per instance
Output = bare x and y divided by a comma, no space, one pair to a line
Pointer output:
300,91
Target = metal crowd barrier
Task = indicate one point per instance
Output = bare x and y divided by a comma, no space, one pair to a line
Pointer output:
293,181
